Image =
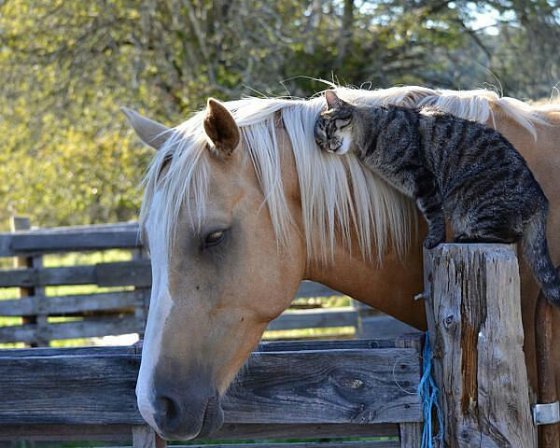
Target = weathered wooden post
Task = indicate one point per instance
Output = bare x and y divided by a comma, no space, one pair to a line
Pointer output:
549,436
474,319
39,320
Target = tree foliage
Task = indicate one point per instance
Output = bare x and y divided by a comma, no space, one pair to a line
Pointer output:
67,156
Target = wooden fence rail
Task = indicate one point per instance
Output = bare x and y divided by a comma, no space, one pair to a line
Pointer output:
344,388
119,299
305,389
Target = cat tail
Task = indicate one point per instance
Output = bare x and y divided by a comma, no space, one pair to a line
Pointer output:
536,252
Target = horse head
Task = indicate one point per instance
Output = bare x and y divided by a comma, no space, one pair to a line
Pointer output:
218,271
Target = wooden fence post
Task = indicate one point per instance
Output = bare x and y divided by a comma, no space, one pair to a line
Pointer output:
39,320
410,434
141,312
474,319
146,437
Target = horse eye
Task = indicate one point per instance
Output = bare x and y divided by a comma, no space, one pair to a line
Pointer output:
214,238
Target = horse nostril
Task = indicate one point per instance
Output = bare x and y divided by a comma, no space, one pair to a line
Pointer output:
167,412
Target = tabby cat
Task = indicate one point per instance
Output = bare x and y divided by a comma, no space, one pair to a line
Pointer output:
453,168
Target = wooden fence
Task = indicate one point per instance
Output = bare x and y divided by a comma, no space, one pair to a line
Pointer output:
290,390
118,296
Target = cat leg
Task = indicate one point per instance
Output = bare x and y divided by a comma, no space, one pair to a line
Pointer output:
429,202
431,208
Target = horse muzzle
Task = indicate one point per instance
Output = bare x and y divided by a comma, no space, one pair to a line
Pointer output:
178,418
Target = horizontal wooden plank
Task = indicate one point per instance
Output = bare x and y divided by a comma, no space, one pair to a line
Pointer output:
46,352
267,346
318,389
125,273
74,304
87,228
413,339
123,433
335,386
39,241
356,344
327,317
87,328
65,433
326,430
316,444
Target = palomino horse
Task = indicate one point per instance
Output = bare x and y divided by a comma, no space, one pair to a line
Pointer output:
240,206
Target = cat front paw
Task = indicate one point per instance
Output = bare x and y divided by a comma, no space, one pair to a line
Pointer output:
432,241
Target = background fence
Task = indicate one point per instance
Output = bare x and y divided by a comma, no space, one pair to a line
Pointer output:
93,281
298,388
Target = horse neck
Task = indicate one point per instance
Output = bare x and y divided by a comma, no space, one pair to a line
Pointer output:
541,151
388,285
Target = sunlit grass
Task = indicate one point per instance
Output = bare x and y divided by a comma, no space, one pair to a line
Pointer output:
322,302
86,258
311,333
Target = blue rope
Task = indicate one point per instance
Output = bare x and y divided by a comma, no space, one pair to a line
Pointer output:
428,391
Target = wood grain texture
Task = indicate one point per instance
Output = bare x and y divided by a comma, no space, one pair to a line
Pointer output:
69,239
267,346
549,435
326,430
474,318
319,444
368,386
38,319
64,433
145,437
123,433
410,433
89,327
124,273
73,304
334,386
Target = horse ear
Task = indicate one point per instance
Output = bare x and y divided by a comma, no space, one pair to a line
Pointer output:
220,127
333,101
150,132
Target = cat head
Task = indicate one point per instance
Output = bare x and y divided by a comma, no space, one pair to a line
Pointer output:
333,129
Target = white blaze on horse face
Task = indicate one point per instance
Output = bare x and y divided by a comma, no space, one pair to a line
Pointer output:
160,309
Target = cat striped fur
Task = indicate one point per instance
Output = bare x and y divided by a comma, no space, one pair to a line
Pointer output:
453,168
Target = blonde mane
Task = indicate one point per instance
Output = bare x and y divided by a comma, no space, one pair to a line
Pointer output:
338,194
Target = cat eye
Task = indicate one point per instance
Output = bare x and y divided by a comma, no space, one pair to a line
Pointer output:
341,123
214,238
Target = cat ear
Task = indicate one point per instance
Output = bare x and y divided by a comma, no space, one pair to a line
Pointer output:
333,101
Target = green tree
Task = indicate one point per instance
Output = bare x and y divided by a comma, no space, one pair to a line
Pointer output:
67,155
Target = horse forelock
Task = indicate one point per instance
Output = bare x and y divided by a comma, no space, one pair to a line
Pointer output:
179,174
